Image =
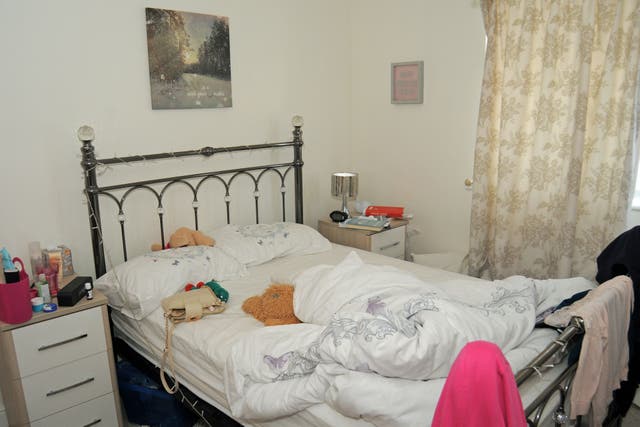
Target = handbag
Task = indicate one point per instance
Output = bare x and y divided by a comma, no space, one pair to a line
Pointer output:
187,306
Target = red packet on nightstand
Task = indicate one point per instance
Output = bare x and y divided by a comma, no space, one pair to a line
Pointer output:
388,211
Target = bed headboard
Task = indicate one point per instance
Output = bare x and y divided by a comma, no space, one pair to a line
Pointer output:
191,182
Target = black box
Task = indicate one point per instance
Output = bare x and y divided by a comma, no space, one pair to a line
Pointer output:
74,291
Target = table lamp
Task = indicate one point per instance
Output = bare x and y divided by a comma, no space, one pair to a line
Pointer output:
345,185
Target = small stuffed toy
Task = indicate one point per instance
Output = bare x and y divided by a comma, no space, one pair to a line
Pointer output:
273,307
184,236
220,292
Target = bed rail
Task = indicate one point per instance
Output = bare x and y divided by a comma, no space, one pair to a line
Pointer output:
575,328
557,350
92,190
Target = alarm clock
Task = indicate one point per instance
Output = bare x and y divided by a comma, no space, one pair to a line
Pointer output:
338,216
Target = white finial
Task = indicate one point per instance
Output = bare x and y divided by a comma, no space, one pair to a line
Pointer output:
86,133
297,121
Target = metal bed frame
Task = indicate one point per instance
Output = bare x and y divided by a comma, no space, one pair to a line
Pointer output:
226,177
556,350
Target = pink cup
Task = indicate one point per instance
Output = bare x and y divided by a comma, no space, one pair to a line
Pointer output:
15,302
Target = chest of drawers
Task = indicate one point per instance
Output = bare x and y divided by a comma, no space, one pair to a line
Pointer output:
57,369
389,242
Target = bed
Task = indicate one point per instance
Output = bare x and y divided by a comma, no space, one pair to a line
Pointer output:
209,353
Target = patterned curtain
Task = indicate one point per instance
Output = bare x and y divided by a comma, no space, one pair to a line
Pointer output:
553,159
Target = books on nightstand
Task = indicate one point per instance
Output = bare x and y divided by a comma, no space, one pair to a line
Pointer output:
365,223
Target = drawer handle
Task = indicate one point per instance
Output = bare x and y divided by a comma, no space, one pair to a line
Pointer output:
384,248
94,422
48,346
69,387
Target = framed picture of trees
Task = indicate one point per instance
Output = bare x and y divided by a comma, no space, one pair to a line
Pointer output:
189,59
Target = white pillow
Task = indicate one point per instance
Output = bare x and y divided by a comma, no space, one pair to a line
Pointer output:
551,292
137,286
258,243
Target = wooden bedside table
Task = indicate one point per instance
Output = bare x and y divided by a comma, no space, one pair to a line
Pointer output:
58,368
390,241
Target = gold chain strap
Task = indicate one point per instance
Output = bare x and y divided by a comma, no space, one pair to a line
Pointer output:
168,327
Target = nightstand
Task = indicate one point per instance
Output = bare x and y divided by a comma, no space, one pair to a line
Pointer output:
58,368
390,241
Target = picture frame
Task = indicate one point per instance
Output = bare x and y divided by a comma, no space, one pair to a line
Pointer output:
407,82
189,59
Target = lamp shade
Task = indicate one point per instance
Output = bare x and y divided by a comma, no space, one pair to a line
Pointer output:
344,184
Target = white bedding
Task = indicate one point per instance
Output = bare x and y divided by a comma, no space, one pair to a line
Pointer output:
202,348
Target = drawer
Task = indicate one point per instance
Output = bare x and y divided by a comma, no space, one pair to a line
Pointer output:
67,385
389,242
58,341
100,412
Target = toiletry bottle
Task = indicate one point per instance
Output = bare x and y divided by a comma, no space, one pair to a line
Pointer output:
35,254
51,277
89,289
43,289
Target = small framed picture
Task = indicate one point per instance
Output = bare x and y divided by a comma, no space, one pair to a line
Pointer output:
406,82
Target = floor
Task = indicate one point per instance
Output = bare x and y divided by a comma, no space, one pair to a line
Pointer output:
631,420
633,417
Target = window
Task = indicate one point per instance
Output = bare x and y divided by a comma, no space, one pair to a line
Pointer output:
635,204
636,195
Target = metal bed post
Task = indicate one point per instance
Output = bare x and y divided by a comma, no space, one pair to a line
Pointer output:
297,122
89,164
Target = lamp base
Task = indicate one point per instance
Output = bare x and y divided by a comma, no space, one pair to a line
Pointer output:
345,209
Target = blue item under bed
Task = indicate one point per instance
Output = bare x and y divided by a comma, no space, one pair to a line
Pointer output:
145,401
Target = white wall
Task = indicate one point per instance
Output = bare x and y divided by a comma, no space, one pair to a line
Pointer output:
418,156
74,62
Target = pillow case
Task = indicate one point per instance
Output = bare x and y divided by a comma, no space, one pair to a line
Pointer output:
258,243
137,286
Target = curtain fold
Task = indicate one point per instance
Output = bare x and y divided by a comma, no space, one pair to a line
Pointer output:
554,149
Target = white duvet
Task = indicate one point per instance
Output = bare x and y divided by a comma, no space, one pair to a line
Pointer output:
367,326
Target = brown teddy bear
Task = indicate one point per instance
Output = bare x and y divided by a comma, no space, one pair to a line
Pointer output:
273,307
184,236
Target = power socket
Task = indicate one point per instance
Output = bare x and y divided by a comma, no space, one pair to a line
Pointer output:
413,231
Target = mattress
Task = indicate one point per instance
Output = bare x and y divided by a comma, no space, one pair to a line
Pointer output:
201,348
